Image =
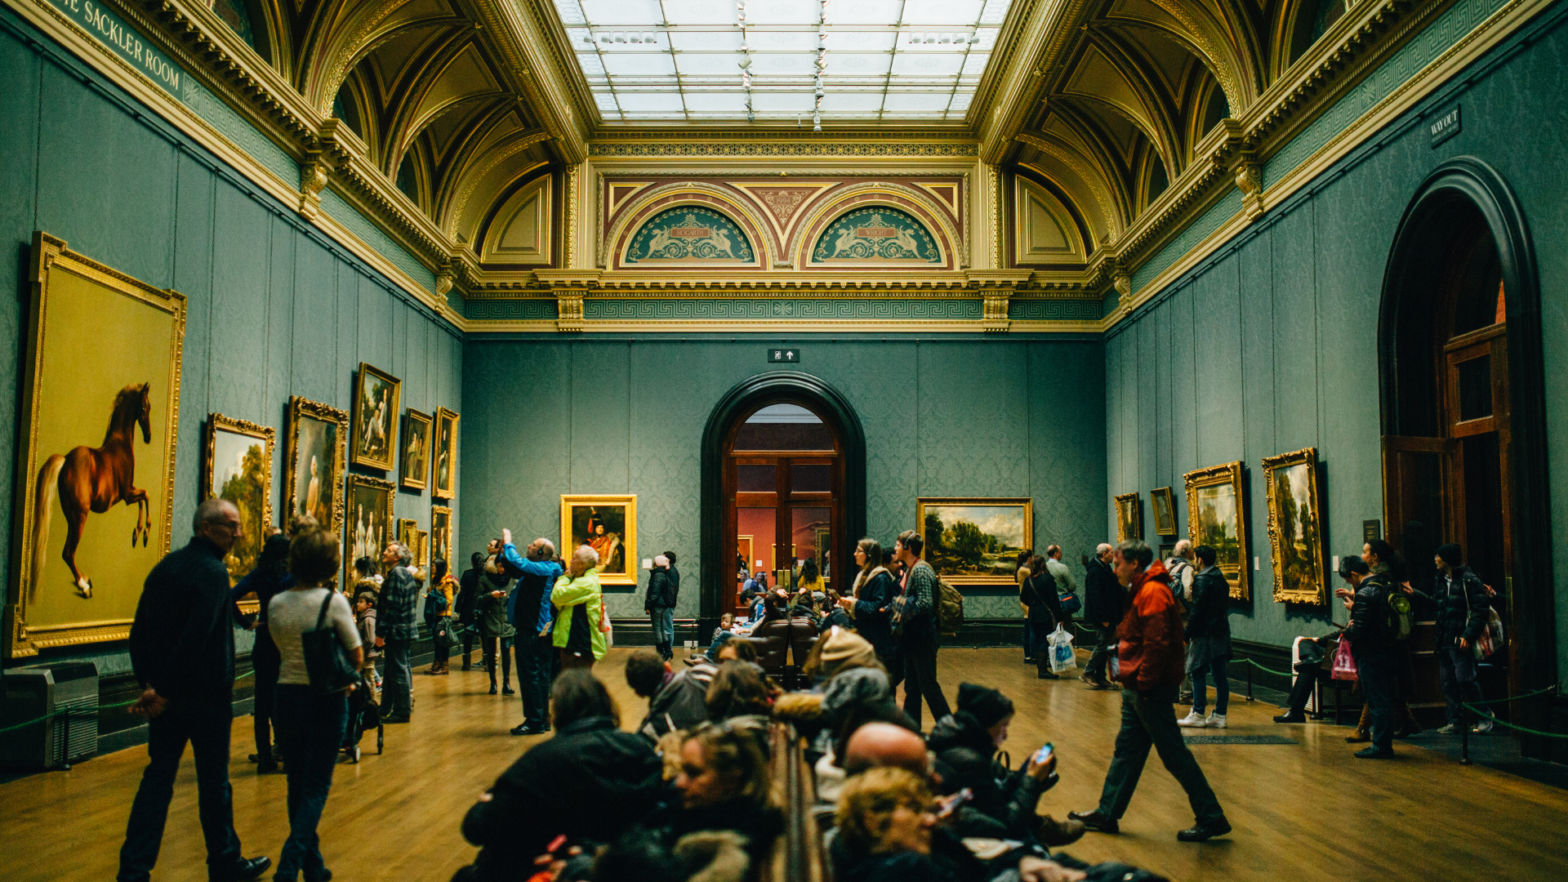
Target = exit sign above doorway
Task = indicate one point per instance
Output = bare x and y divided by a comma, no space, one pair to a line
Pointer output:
783,355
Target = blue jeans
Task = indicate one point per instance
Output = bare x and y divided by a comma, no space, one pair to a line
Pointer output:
723,638
1375,671
207,726
1200,688
310,728
663,625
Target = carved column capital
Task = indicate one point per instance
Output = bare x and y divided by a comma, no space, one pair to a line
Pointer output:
1249,180
313,176
569,311
997,301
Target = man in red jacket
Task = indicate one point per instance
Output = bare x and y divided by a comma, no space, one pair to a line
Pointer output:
1150,659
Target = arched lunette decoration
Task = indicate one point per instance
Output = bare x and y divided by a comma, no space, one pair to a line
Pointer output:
1467,180
775,387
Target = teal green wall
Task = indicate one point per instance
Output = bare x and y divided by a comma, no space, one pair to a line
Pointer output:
958,417
1271,345
273,308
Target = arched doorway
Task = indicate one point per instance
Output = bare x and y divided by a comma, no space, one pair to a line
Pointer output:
783,463
1463,412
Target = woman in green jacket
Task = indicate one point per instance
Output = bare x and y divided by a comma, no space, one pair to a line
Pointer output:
579,621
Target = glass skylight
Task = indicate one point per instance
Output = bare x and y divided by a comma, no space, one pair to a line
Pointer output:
803,61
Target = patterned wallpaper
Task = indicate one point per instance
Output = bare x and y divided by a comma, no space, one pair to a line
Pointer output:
1005,418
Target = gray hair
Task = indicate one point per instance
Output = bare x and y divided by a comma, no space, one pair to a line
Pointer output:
587,553
1102,548
1182,547
209,511
404,556
1136,550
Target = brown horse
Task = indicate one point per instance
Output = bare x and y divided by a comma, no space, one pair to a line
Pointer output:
91,479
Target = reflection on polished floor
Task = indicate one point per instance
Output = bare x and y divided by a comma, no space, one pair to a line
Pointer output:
1306,810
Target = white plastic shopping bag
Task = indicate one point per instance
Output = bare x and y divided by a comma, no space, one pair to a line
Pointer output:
1062,656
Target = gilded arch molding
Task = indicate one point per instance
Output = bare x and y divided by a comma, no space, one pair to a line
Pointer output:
654,200
911,200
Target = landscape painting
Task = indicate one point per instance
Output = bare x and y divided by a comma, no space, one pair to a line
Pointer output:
1216,516
1295,533
609,525
975,540
238,467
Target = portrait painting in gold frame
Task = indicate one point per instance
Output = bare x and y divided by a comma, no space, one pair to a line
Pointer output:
441,534
608,523
1129,517
1164,504
415,464
975,540
443,458
377,396
1217,517
102,349
314,467
1295,527
237,466
369,520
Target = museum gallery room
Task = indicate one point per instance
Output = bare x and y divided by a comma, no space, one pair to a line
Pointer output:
784,440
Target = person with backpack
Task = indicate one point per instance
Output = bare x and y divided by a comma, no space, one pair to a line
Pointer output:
1461,604
1382,560
1372,644
916,617
439,614
1208,642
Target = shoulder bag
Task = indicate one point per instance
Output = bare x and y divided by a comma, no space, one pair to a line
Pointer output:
326,661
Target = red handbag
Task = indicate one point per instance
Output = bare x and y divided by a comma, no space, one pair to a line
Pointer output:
1344,662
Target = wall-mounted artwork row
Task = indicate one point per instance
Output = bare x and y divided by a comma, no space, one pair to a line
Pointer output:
1217,517
608,524
975,540
100,412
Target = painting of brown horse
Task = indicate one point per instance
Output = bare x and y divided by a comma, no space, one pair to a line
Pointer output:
92,480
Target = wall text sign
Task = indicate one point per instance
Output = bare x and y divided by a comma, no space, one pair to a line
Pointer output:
1444,125
783,355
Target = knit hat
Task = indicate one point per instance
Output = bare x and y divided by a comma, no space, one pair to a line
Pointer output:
986,705
840,647
1451,554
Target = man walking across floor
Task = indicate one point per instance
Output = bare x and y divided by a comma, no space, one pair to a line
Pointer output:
530,612
1102,609
1150,661
918,645
397,617
182,652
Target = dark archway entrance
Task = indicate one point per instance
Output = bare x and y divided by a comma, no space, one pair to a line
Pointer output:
721,460
1463,412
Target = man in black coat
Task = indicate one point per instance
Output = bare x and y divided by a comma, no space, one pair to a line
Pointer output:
1462,607
1103,600
467,597
182,651
1373,647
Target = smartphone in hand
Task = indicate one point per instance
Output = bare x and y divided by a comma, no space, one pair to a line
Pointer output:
1043,754
949,804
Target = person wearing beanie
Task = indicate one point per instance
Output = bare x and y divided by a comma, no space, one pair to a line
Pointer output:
1461,605
659,604
1003,804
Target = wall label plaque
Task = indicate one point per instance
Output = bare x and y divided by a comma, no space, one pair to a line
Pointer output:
783,355
1444,125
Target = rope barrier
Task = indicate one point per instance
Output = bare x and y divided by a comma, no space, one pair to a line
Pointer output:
1263,669
1509,698
82,711
1482,713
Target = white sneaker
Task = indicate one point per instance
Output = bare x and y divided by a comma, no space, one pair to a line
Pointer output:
1483,728
1215,721
1193,720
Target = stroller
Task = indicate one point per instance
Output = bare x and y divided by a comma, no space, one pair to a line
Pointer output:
364,714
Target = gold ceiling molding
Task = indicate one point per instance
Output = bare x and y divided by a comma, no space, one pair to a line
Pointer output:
722,200
942,225
747,149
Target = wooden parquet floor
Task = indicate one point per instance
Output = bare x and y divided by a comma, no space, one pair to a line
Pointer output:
1307,810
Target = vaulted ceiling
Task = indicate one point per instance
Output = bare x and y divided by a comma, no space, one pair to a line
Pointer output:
459,103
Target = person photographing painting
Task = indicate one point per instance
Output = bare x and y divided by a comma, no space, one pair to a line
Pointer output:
182,652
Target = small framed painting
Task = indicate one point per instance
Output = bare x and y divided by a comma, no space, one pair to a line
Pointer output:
975,540
1295,532
415,463
443,476
608,524
1129,517
376,395
1217,517
238,467
1164,504
370,518
441,533
422,550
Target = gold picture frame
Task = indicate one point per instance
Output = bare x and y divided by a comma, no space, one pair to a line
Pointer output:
609,524
1291,482
98,343
1217,517
415,450
237,466
1129,517
961,555
317,433
407,533
377,397
441,533
1163,502
422,550
370,512
443,458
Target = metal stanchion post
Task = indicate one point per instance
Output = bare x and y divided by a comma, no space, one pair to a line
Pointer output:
1464,742
1249,678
